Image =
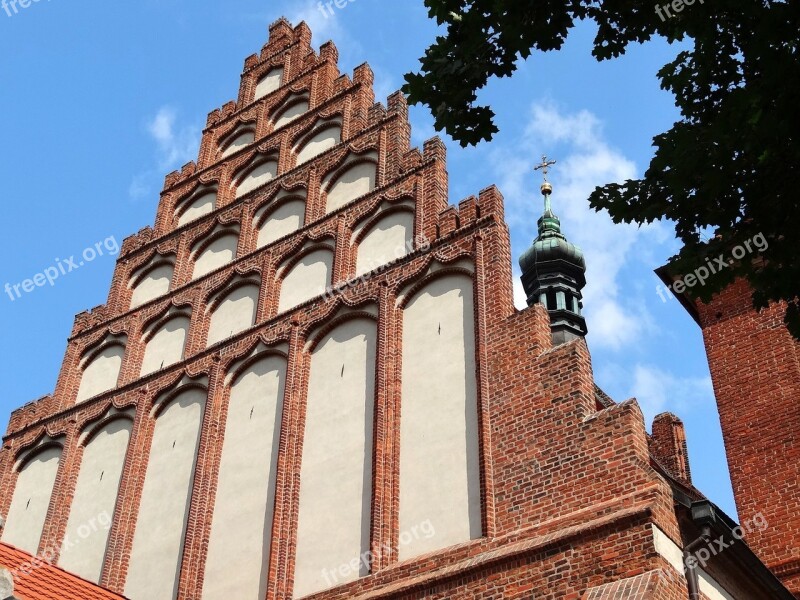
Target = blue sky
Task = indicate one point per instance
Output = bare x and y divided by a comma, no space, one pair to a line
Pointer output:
100,100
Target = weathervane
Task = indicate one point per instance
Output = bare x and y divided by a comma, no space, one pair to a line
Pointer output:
546,188
545,166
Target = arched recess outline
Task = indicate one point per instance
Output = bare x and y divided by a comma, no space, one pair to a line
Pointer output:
241,526
96,492
37,469
334,520
439,412
155,560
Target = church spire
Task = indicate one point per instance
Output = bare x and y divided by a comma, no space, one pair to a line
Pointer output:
553,270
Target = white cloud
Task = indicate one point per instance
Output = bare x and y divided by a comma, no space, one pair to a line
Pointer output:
586,160
658,391
324,23
176,145
422,128
139,187
384,85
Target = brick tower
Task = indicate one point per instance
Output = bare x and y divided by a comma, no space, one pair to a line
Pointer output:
310,380
755,367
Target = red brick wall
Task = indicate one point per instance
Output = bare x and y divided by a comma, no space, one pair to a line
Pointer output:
755,366
568,495
668,446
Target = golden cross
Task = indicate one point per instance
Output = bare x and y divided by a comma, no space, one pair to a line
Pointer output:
545,166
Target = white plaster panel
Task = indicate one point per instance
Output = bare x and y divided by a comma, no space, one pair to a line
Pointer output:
257,177
291,113
166,346
336,474
307,279
243,509
161,524
439,459
218,254
319,143
31,500
269,83
668,549
711,587
235,313
284,220
156,283
674,556
354,183
240,141
101,373
197,208
389,239
94,501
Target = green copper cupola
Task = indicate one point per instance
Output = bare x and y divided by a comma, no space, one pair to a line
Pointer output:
553,272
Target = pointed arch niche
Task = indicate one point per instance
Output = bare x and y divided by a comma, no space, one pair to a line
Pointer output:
32,494
215,252
100,367
336,474
199,204
269,83
234,310
241,525
386,237
285,215
260,171
306,278
95,496
165,341
356,178
163,510
242,136
439,440
325,135
292,109
152,280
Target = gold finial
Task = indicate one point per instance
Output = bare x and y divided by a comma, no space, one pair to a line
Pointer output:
546,188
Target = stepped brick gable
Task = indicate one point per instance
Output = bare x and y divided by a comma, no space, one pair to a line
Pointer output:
310,380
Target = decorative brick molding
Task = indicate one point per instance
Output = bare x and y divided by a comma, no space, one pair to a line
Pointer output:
568,497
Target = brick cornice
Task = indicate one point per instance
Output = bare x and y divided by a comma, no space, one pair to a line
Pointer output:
500,550
311,114
259,330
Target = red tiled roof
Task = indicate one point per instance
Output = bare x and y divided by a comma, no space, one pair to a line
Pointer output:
47,582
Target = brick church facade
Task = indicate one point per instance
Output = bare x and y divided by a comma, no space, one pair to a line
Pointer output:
310,380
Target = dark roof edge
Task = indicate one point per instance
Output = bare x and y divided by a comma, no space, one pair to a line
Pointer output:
665,276
705,512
